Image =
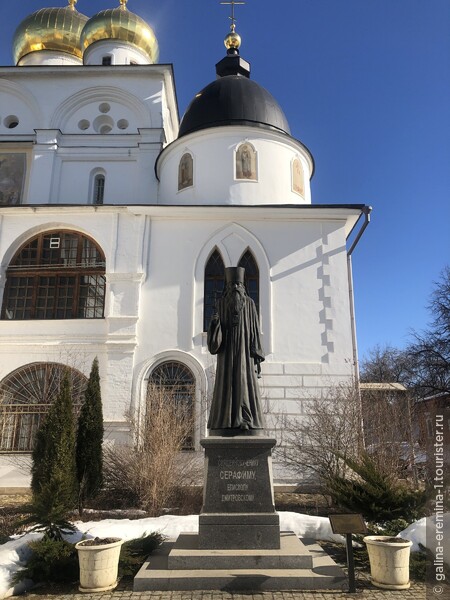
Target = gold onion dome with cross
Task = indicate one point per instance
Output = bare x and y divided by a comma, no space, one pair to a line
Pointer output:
54,29
122,25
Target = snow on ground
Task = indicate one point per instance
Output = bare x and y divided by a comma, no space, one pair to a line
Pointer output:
14,554
425,532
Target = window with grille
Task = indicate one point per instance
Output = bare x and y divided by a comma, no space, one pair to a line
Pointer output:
172,383
56,275
251,281
26,395
214,283
99,189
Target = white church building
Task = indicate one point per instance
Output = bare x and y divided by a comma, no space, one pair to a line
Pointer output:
117,220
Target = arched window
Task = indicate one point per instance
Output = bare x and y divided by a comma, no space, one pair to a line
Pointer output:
171,384
246,162
99,189
25,397
251,276
186,171
214,283
56,275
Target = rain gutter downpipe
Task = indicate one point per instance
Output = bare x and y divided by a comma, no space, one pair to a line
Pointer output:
366,210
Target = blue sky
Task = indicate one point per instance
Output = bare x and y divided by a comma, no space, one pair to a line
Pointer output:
365,84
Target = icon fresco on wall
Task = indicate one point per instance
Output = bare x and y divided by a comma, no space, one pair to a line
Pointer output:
12,177
186,172
298,184
246,162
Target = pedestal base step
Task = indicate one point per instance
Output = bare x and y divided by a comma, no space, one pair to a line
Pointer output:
238,531
291,554
295,566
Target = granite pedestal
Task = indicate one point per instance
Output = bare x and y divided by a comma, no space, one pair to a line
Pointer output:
239,545
238,503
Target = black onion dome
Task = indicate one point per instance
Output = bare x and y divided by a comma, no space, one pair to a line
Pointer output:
233,99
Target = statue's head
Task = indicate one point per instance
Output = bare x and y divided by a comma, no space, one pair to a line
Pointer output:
234,275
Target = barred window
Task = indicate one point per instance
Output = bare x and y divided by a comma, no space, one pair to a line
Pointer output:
56,275
172,383
214,283
26,395
99,189
251,276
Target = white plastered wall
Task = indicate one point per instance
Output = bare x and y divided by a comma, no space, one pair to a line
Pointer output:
214,178
154,269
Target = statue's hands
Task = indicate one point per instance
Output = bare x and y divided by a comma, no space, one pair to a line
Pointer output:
258,368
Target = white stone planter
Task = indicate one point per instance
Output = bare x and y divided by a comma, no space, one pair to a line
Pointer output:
98,565
389,561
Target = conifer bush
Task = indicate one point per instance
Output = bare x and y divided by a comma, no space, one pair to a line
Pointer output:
378,496
51,561
54,483
89,455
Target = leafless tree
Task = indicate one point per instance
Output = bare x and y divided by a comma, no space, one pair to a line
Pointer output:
388,417
430,349
317,444
150,472
342,425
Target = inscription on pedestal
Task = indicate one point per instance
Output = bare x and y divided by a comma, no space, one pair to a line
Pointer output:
238,478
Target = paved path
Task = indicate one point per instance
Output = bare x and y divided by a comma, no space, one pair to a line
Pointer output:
364,592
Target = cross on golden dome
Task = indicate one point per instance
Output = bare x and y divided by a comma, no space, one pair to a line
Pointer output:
72,4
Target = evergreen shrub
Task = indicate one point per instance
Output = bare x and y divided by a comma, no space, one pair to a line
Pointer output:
134,552
378,496
89,457
51,561
53,470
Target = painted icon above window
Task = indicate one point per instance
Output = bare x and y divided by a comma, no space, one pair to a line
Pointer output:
246,162
298,182
12,177
186,171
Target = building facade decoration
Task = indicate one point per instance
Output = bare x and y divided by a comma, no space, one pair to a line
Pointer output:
186,171
12,175
298,183
246,162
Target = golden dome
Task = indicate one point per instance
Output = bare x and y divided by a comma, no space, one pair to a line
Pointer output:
123,25
57,29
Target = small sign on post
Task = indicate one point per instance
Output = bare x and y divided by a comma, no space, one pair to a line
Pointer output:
347,524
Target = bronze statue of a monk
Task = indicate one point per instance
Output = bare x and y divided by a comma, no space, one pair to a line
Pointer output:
233,335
